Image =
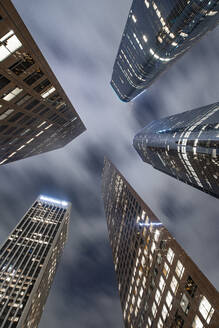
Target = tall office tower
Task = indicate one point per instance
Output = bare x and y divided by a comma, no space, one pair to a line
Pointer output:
36,116
158,32
159,285
185,146
28,262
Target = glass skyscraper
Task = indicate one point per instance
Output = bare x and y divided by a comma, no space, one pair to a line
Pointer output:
185,146
156,33
159,285
28,262
36,116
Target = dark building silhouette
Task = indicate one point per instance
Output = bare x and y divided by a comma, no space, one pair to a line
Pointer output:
185,146
159,285
28,262
156,34
35,114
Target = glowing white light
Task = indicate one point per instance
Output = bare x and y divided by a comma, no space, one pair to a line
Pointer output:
143,224
134,18
54,201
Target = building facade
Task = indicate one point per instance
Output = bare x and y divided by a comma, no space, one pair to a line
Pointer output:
159,285
185,146
157,33
36,116
28,262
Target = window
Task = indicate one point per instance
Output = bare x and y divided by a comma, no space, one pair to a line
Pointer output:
166,270
160,323
33,77
153,247
156,235
154,309
169,299
42,85
22,65
157,297
178,320
190,286
184,303
170,255
6,114
197,323
174,284
22,100
179,269
9,44
48,92
32,104
162,284
164,312
12,94
15,117
206,309
3,81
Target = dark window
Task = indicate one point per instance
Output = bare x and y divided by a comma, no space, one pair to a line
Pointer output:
21,65
190,286
1,17
16,117
42,85
36,110
32,104
3,127
3,81
22,100
44,111
24,119
178,322
34,77
31,121
12,129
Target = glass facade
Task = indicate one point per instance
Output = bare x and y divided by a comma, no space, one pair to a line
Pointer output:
159,285
28,262
36,116
157,32
185,146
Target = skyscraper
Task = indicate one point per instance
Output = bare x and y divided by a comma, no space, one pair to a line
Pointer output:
28,262
36,116
185,146
156,34
159,285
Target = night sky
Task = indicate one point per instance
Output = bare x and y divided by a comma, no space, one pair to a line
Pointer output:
80,40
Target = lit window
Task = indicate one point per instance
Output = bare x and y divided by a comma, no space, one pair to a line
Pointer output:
170,255
12,94
147,3
197,323
134,18
162,284
184,303
156,235
48,92
164,312
206,309
160,323
157,296
174,284
5,114
154,309
169,299
179,269
10,44
166,270
153,247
